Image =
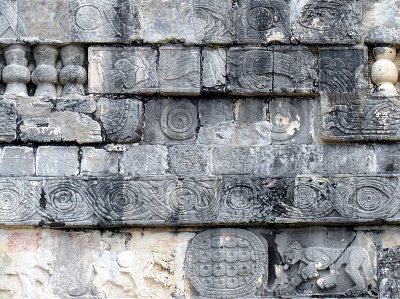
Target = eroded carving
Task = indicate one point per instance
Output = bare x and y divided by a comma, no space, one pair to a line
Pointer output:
227,263
389,274
179,120
285,120
313,260
214,68
8,19
8,121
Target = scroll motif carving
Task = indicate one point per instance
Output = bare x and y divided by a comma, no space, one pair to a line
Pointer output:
314,260
227,263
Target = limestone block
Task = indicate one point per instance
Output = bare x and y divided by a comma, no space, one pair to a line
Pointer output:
44,20
381,23
8,120
122,119
165,21
249,110
188,160
213,76
320,22
171,122
105,21
9,21
123,70
57,161
80,105
263,21
295,71
293,120
144,160
250,71
215,111
98,162
233,160
41,124
17,161
388,261
212,21
179,71
386,160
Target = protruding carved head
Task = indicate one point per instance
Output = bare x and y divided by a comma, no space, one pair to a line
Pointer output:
292,254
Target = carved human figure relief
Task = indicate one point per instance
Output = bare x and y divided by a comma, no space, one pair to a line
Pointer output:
315,260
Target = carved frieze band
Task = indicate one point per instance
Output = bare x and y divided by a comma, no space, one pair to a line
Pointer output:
162,201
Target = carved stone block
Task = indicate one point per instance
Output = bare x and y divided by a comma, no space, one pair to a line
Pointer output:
295,71
212,21
8,121
179,71
123,70
170,121
263,21
250,70
326,21
50,21
389,273
165,21
348,113
293,120
105,21
213,74
8,20
227,263
122,119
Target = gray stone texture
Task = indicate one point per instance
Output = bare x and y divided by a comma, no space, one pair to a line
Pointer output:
98,162
213,76
188,160
214,111
17,161
170,121
57,161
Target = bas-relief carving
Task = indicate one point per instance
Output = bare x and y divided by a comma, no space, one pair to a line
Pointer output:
389,273
8,19
8,121
213,68
232,263
263,21
105,20
326,21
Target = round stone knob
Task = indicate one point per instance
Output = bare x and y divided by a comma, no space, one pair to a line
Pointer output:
384,72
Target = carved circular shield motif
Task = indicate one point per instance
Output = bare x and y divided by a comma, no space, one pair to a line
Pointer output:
179,120
226,263
88,23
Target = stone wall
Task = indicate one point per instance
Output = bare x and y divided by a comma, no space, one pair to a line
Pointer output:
199,149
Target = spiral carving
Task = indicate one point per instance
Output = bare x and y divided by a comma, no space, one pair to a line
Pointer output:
369,198
121,201
67,201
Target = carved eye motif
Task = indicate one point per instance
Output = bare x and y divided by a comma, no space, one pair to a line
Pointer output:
263,18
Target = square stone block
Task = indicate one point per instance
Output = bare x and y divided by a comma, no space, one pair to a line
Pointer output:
263,21
213,76
105,21
57,161
326,21
122,119
213,21
8,20
179,71
123,70
250,70
170,121
44,20
295,70
215,111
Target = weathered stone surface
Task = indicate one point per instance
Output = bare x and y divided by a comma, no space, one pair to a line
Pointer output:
17,161
215,111
321,21
98,162
57,161
123,70
169,121
388,261
9,20
105,21
213,74
122,119
295,71
179,71
250,70
249,110
263,21
80,105
8,121
144,160
188,160
44,20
